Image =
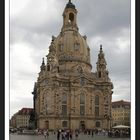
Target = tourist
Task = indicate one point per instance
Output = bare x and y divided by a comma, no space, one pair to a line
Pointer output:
76,134
45,133
58,134
92,132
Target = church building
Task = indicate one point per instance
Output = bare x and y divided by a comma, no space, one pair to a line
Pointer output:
68,94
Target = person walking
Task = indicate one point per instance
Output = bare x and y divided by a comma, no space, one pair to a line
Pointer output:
76,135
63,134
45,133
92,133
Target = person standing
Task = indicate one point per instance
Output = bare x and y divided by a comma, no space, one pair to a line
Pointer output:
92,133
58,135
70,135
47,132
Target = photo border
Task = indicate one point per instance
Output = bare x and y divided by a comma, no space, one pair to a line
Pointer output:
137,58
7,70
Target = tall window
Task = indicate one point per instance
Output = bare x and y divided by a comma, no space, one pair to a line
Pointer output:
64,104
71,17
82,104
48,67
64,99
97,124
96,111
96,100
64,109
96,106
64,124
82,99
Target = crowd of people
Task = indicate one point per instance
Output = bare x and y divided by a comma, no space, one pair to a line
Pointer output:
119,133
68,134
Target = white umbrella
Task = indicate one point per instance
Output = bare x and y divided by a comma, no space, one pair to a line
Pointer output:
121,126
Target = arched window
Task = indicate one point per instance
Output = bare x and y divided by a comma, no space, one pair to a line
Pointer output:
97,106
64,124
82,99
48,67
64,104
82,104
97,124
96,111
71,17
64,99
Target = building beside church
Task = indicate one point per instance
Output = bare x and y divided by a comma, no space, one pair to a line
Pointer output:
121,113
67,93
21,118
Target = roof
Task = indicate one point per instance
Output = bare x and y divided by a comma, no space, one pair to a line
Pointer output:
70,5
121,102
25,111
121,126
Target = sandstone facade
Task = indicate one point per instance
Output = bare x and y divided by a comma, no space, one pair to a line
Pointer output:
67,93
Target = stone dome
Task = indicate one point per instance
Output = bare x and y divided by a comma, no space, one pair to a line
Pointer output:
70,45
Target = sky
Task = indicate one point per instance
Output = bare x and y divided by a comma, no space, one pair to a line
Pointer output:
32,24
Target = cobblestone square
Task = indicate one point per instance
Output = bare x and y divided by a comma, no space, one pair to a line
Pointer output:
53,137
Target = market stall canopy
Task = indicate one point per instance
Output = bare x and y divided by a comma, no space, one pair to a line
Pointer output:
121,126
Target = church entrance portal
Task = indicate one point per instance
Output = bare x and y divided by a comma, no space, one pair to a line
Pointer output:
82,125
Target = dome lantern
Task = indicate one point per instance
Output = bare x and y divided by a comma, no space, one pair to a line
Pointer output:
70,17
